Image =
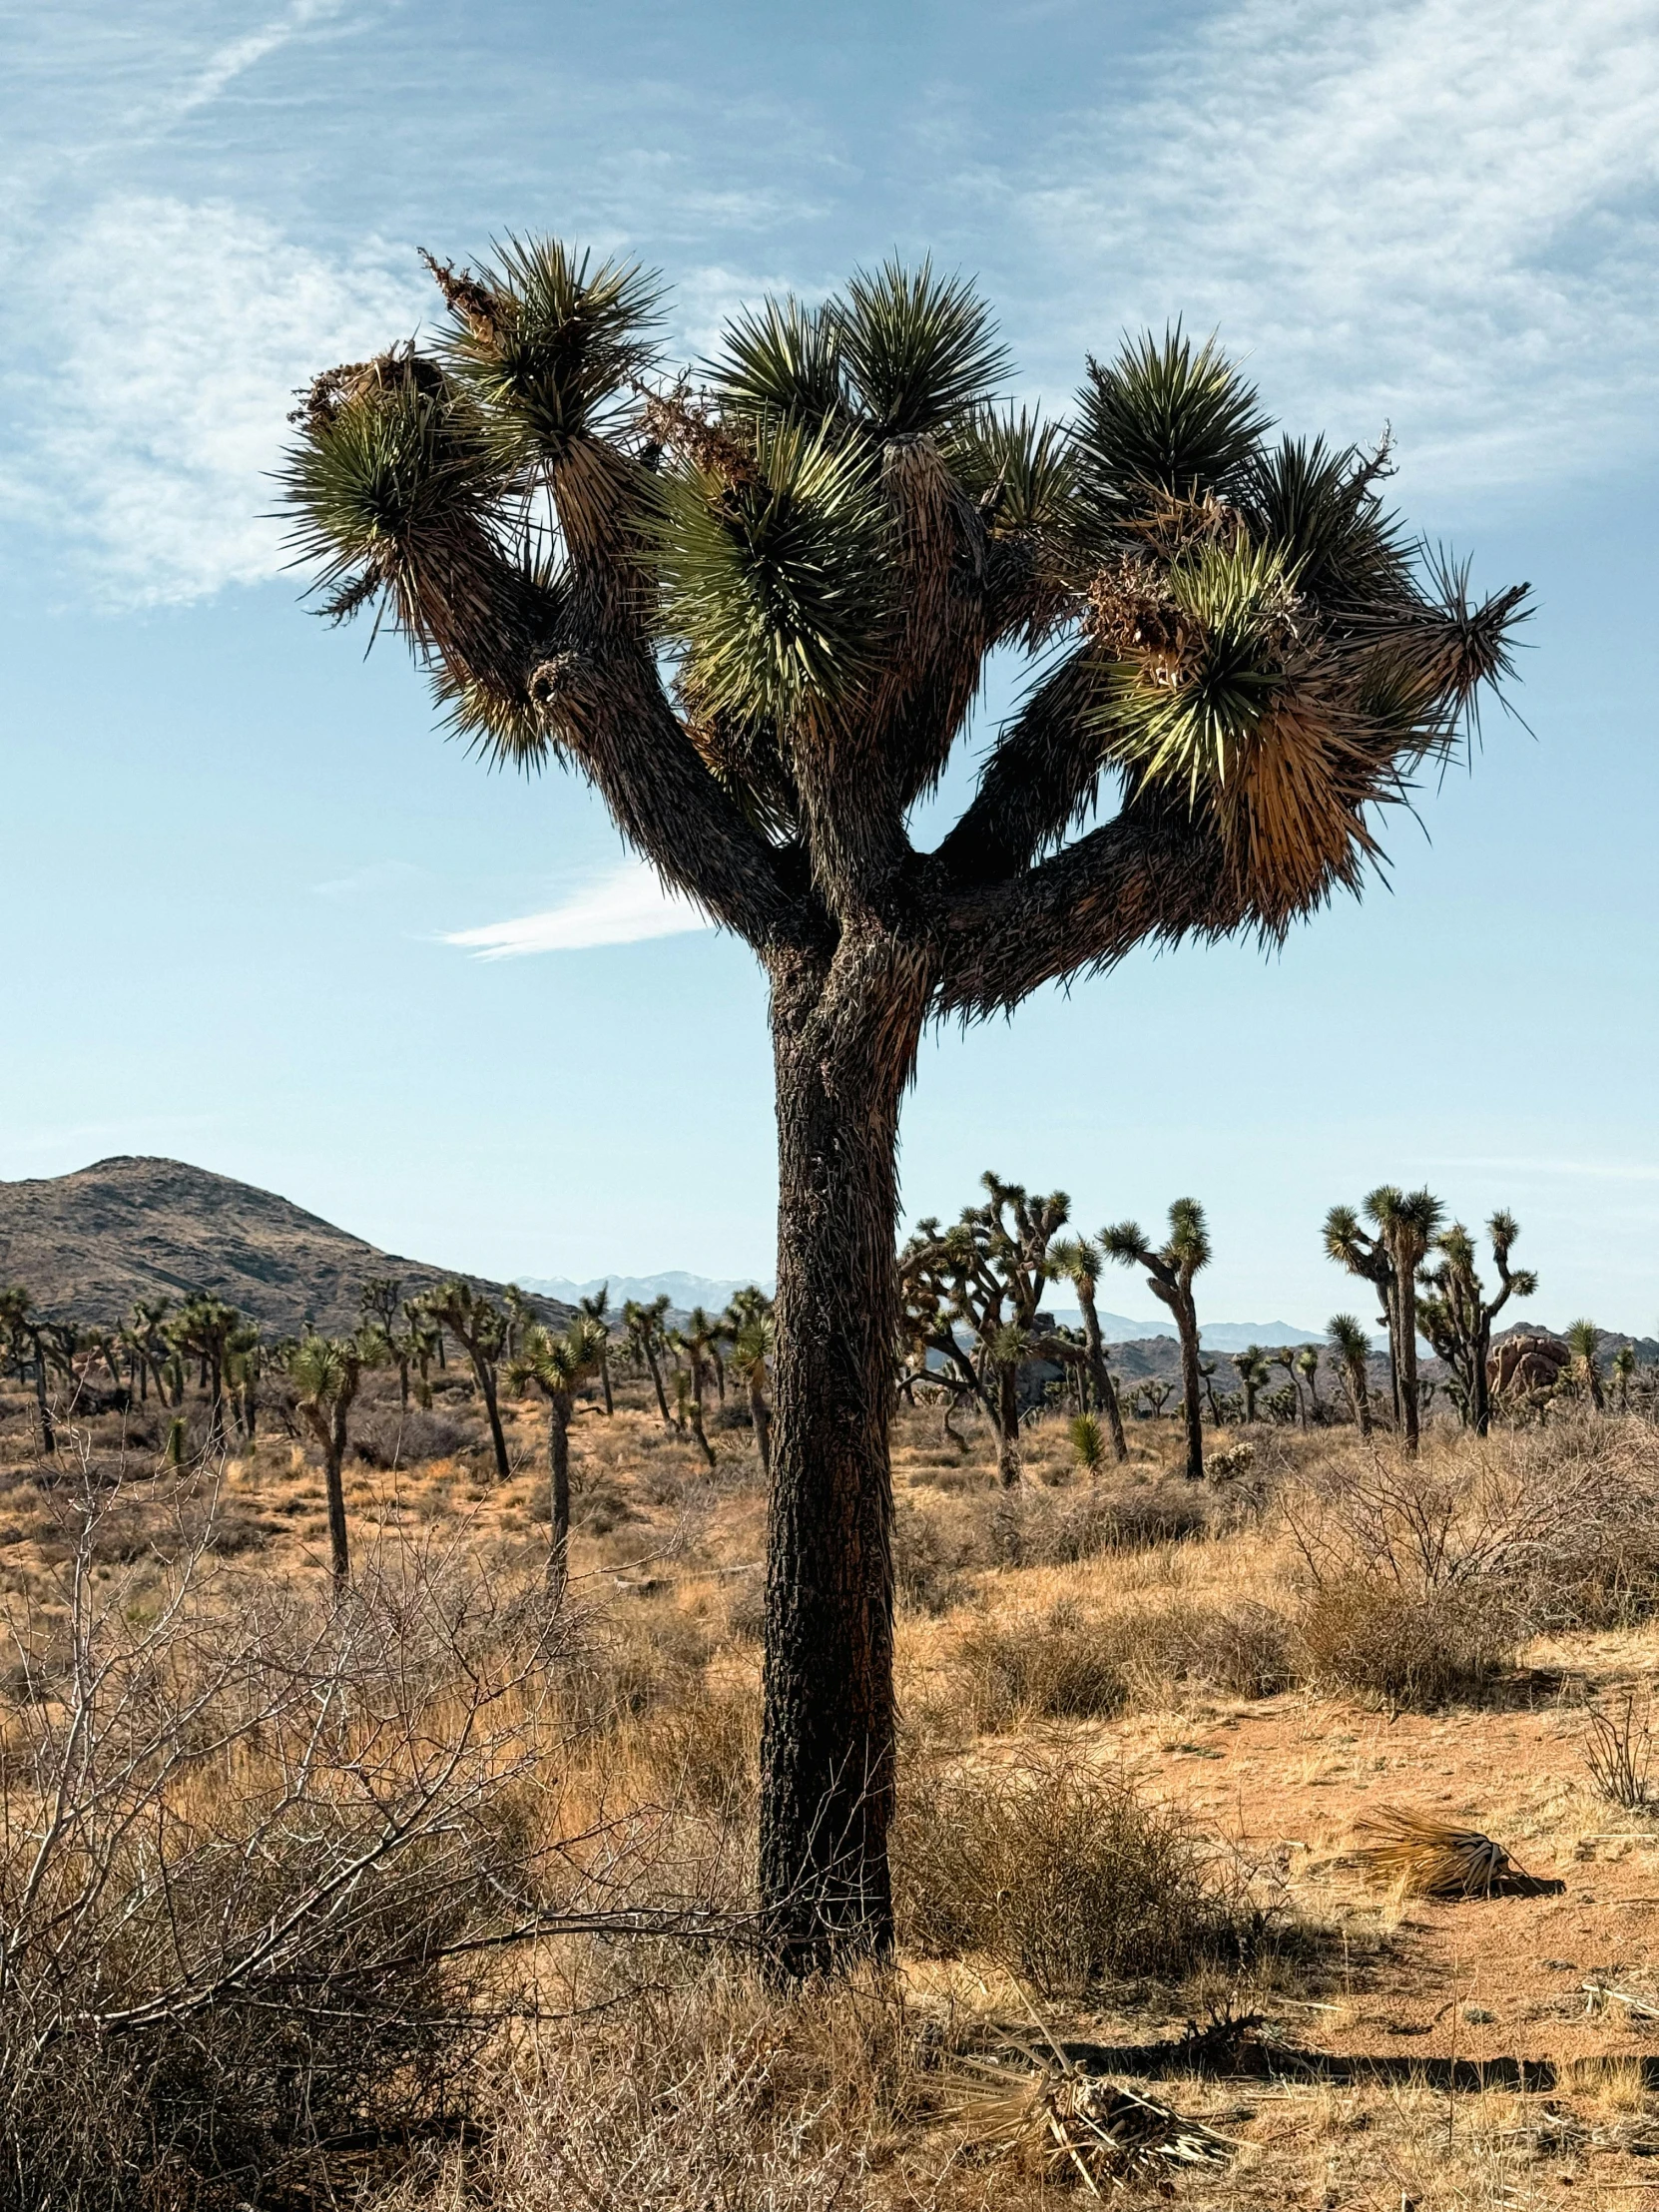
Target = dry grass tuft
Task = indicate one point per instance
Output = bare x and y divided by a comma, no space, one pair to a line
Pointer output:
1366,1635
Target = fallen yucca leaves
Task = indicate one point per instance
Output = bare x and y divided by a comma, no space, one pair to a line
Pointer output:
1420,1856
1082,2126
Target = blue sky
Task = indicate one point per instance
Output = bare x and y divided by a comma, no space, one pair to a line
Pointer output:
264,918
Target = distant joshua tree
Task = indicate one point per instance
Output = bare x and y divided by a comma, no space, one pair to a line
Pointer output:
1351,1348
1457,1317
755,613
1169,1273
480,1326
988,1272
645,1330
1078,1261
596,1306
1584,1344
1250,1366
1404,1225
1624,1368
696,1340
557,1367
201,1330
326,1372
754,1345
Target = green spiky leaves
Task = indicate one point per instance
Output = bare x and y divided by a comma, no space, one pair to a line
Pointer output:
1166,418
772,582
547,345
783,359
1202,661
919,350
386,459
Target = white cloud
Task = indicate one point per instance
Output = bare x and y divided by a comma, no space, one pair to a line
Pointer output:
622,908
237,55
171,338
1440,212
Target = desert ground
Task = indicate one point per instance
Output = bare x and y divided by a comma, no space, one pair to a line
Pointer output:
1144,1727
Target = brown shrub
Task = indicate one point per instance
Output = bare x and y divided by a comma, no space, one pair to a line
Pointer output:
1053,1666
1243,1647
1065,1875
1366,1635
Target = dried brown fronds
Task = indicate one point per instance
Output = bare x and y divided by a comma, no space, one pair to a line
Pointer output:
675,421
1082,2126
465,296
1420,1856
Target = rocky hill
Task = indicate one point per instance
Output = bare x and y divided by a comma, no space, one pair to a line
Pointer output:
87,1245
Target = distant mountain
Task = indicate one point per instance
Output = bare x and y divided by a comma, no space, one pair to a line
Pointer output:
684,1290
1215,1336
87,1245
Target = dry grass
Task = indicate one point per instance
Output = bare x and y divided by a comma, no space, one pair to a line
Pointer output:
1068,1656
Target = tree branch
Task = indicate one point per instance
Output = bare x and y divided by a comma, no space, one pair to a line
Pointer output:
1151,874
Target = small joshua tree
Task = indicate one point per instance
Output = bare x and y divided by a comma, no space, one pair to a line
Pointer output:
480,1328
1584,1344
596,1306
1457,1317
1350,1350
1078,1261
557,1367
1404,1223
1169,1274
646,1331
756,618
1624,1367
988,1272
1250,1366
326,1372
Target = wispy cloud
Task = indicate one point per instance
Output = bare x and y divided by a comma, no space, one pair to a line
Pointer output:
237,55
178,335
622,908
1436,211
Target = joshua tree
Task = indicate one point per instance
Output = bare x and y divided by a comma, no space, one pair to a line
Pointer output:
989,1271
756,618
558,1366
1368,1256
326,1372
597,1308
1157,1394
424,1342
753,1344
1250,1366
1351,1348
201,1330
27,1335
1457,1317
648,1341
1307,1367
146,1335
1079,1261
244,1363
1406,1225
380,1303
1169,1275
478,1324
1584,1344
695,1341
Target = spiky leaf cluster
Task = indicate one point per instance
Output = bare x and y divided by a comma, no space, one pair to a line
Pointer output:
805,562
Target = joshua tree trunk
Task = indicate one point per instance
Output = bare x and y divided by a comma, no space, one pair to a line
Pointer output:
760,1413
657,1378
843,1048
48,1436
558,1459
1186,1319
604,1377
484,1370
1100,1376
334,1459
1007,1423
1406,1308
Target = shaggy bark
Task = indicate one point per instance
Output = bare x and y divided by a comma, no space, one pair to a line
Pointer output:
843,1058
